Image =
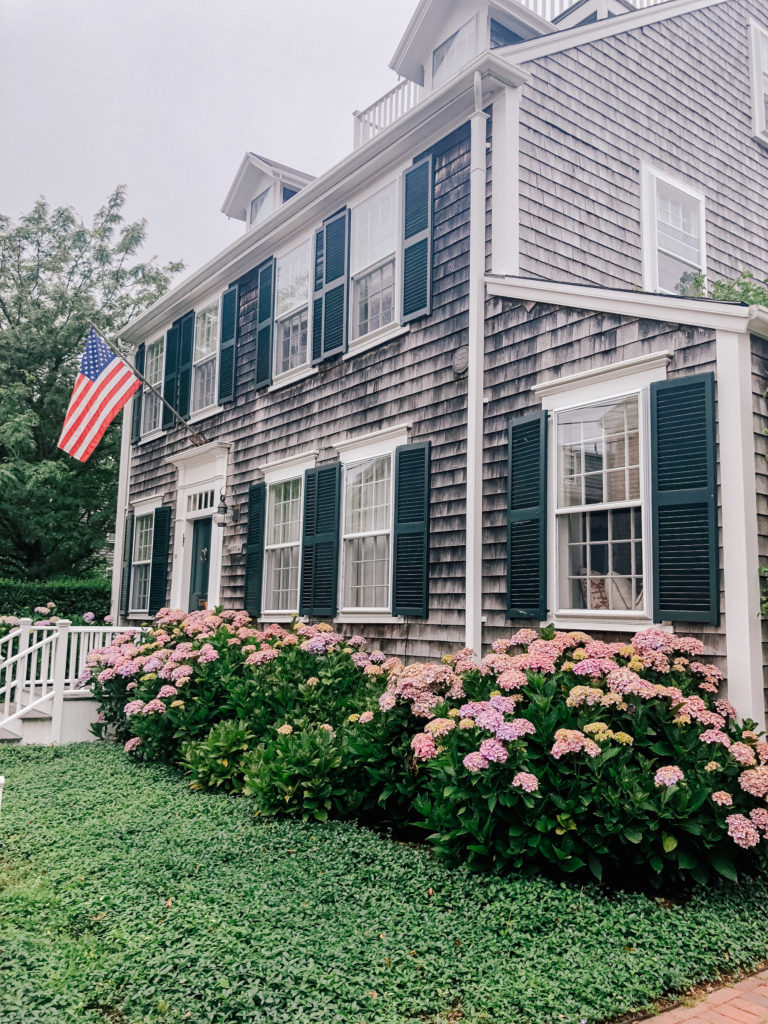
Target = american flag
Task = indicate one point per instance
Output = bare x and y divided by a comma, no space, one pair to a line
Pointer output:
103,386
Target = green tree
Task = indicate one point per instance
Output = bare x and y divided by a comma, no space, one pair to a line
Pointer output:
58,275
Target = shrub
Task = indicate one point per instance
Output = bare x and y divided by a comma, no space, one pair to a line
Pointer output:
72,596
216,762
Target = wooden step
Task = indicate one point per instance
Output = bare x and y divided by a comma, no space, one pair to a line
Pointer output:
8,734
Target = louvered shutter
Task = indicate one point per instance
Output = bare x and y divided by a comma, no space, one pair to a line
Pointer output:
125,576
186,355
254,549
410,555
265,323
417,240
527,517
158,576
320,550
170,379
329,306
686,572
228,345
136,407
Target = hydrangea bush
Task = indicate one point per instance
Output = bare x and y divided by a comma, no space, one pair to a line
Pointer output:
555,751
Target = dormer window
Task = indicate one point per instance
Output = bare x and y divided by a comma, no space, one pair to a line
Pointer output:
452,55
674,236
259,207
759,58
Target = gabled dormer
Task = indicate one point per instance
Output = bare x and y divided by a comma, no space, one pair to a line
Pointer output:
260,187
443,36
583,12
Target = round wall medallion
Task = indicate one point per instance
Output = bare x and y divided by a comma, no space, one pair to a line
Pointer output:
460,360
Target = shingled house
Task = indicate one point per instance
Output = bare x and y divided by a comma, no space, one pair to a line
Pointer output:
459,383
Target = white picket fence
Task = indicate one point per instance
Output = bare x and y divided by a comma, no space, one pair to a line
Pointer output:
39,665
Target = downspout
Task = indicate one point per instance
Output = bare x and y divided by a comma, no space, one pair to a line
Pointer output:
122,501
476,352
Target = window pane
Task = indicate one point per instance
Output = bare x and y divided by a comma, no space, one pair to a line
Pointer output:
292,288
453,54
142,539
140,588
373,228
679,226
600,557
368,496
375,299
153,362
284,513
259,207
207,331
282,575
291,349
675,275
204,393
366,572
598,450
150,412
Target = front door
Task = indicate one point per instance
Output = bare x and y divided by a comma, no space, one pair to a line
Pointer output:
201,564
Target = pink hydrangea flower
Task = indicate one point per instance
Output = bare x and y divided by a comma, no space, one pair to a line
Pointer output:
755,781
356,641
595,667
626,682
667,776
512,679
715,736
438,727
387,701
526,781
133,744
726,709
475,762
262,657
493,750
133,707
166,691
423,747
360,659
153,707
89,618
367,716
515,730
759,818
742,831
523,637
742,753
722,799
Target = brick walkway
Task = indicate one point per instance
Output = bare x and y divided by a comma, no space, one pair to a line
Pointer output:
744,1003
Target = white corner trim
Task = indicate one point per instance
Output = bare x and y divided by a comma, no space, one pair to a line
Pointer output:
631,370
375,338
123,485
643,305
202,453
738,501
289,467
284,380
368,446
505,197
567,39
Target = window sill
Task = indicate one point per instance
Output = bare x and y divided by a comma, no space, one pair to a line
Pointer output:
139,616
268,618
374,618
283,380
610,624
203,414
375,338
152,436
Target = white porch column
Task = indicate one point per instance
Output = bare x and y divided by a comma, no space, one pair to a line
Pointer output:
739,516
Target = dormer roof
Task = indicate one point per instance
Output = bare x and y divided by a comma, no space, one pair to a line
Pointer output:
426,29
254,174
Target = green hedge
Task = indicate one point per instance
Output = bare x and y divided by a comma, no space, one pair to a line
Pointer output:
73,596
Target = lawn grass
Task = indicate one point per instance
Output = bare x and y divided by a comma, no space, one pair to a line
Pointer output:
126,898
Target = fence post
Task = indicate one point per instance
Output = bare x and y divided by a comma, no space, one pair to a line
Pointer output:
59,673
25,627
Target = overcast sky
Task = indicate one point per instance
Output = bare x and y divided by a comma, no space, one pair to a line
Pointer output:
165,96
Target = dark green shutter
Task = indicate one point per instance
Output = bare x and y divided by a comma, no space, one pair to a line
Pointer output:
686,571
136,406
329,306
158,574
320,551
410,559
125,576
170,379
527,517
417,240
254,549
186,355
265,323
228,345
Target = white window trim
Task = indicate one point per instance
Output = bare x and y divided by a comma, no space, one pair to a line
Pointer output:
759,121
144,507
207,410
630,377
649,175
374,338
368,446
394,327
149,435
303,369
283,380
344,610
289,613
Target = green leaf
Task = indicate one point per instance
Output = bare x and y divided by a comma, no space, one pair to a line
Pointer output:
668,842
724,867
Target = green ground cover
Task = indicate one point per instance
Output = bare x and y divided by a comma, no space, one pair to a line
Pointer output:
128,899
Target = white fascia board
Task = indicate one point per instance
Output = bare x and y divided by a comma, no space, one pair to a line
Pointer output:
567,39
423,125
666,308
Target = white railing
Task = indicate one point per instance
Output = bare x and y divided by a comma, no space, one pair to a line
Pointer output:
385,111
550,9
39,665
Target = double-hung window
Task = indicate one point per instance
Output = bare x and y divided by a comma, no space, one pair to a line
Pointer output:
205,358
373,261
674,239
599,520
367,534
453,54
259,208
282,547
292,309
759,62
141,560
153,373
